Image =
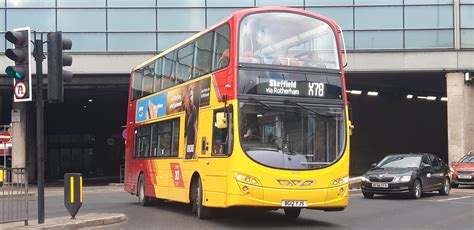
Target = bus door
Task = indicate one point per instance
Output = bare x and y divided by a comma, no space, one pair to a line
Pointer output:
160,135
214,150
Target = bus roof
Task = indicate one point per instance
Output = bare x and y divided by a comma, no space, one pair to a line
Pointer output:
237,15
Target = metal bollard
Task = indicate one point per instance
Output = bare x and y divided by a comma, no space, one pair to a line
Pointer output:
73,193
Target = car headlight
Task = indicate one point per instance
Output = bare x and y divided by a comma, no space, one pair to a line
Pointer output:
365,178
405,178
452,169
401,179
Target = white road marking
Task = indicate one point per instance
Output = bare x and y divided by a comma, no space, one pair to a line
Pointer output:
456,198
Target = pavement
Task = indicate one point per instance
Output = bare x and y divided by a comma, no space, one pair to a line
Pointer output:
88,220
92,220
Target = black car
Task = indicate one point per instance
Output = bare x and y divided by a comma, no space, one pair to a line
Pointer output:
411,174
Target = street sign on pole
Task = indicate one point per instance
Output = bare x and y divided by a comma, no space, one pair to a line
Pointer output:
20,90
5,137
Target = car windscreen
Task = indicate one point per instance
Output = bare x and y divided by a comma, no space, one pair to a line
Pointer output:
467,159
400,162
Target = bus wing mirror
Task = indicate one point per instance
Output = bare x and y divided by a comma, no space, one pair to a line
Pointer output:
351,127
221,120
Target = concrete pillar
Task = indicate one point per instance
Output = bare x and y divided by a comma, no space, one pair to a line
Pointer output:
460,116
19,137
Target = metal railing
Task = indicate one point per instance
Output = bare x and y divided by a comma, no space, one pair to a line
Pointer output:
13,195
122,173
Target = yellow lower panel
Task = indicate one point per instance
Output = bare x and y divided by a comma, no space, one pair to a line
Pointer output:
215,199
337,196
179,194
161,192
273,197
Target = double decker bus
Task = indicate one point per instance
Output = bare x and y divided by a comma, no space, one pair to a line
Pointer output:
249,112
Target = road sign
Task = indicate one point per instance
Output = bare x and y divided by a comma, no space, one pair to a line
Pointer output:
124,134
20,90
5,137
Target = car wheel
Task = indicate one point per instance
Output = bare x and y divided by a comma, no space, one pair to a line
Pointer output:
454,185
202,211
368,194
142,198
416,189
446,187
292,212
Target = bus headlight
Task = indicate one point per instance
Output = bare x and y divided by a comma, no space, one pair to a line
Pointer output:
240,177
341,180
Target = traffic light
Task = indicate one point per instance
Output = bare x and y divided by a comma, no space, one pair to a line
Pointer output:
56,60
20,54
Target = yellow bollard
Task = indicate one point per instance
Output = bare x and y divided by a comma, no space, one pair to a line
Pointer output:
73,193
1,176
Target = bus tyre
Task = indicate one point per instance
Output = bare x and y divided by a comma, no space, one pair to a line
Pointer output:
202,211
444,191
292,213
368,194
142,198
415,190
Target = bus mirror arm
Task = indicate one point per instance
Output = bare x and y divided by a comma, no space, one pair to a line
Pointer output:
343,46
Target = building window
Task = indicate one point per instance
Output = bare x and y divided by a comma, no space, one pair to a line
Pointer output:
37,19
81,20
181,19
467,23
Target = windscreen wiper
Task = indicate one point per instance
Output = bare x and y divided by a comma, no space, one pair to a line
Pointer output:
305,108
264,105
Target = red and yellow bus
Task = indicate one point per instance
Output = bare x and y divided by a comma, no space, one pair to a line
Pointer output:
249,112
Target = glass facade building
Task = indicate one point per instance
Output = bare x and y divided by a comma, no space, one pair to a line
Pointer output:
154,25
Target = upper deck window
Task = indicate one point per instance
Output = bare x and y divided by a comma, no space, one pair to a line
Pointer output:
282,38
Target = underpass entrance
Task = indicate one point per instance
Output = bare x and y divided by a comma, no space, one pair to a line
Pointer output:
396,113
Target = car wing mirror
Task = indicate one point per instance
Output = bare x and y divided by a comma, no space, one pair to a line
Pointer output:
425,166
373,165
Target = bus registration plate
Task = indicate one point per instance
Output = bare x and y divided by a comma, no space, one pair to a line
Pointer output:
294,203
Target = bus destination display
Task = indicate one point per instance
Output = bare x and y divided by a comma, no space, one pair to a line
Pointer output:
292,88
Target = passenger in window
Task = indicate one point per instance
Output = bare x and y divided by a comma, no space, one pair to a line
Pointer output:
251,128
314,60
224,59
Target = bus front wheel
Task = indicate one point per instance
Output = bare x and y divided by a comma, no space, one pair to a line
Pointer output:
292,212
142,198
202,211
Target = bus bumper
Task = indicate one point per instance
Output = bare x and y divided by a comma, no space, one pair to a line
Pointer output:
333,198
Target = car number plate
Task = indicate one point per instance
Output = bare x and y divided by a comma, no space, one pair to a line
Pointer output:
294,203
379,185
464,176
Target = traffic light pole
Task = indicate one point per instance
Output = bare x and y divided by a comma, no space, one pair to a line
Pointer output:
39,57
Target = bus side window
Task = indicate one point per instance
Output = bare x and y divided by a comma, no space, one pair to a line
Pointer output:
169,68
222,46
137,84
223,138
203,57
